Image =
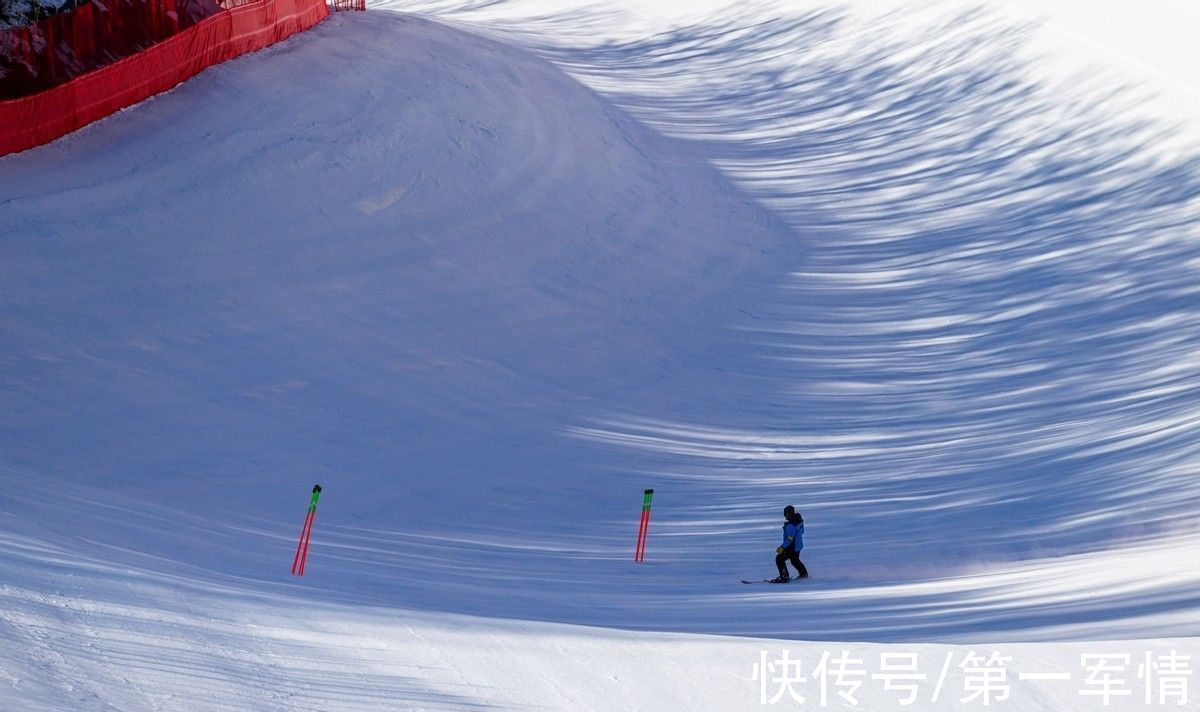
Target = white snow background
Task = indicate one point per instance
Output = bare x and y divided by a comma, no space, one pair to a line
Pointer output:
485,270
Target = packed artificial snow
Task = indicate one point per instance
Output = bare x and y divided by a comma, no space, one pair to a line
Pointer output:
489,270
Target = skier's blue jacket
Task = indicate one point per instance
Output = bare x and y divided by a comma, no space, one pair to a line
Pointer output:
793,536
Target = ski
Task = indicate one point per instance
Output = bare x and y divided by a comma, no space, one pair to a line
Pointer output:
778,582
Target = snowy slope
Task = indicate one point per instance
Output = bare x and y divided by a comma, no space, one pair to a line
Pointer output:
136,642
486,290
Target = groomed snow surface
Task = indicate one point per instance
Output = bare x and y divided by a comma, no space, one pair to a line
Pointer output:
487,270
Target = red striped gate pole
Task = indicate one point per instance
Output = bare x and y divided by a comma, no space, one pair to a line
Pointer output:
301,557
639,554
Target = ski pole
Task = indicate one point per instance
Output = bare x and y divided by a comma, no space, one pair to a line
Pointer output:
639,554
305,534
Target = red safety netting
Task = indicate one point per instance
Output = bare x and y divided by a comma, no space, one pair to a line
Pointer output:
37,57
42,117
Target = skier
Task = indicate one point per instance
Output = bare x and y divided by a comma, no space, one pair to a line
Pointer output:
789,550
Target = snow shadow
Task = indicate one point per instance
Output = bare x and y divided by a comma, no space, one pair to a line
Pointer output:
983,351
986,344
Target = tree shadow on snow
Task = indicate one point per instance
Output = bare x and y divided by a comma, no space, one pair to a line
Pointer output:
984,349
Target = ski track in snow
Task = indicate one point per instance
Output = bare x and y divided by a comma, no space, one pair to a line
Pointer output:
486,281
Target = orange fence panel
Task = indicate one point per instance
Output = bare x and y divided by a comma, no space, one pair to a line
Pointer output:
39,118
